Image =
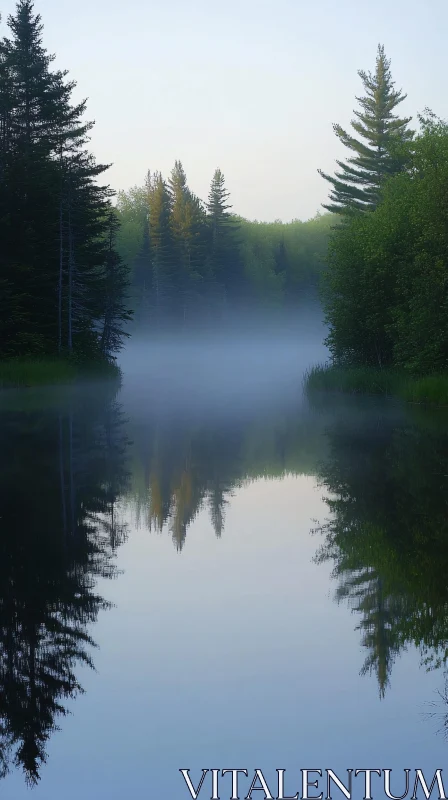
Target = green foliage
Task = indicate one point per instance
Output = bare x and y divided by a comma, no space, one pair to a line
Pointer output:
386,288
428,390
359,184
224,256
280,259
190,233
54,216
214,254
26,372
353,380
23,372
132,208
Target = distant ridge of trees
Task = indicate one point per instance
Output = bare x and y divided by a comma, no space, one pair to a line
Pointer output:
190,258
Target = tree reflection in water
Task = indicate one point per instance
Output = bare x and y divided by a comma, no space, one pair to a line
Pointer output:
62,470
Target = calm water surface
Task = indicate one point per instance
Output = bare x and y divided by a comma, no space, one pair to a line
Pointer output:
259,581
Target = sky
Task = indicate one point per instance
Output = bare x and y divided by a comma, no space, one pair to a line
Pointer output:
250,86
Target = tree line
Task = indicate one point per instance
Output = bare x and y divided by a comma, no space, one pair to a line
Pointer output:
385,288
74,266
62,283
182,253
191,259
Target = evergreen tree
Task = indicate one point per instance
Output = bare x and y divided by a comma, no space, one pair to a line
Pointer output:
189,226
379,153
86,245
116,284
41,125
161,248
275,261
224,257
180,222
52,212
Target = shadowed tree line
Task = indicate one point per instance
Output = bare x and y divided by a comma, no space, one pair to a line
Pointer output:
193,261
62,284
387,534
61,472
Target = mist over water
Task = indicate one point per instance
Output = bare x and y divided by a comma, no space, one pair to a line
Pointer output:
230,369
266,562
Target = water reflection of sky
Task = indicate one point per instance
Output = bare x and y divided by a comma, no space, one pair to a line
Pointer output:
232,654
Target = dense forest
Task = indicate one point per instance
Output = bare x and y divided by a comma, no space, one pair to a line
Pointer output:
74,265
62,283
385,288
192,260
80,266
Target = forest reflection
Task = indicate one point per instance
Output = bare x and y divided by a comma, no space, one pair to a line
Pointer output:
62,468
71,470
384,473
181,467
387,533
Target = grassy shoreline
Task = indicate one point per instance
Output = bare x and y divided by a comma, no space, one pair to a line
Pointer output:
428,390
21,373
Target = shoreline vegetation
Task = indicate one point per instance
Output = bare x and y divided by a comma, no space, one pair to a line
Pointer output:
79,274
384,289
23,373
394,383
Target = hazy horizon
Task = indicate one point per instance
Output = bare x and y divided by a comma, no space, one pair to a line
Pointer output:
248,87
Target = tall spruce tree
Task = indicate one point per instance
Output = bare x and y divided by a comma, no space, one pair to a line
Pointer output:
41,124
161,248
177,185
225,261
188,223
116,284
53,215
379,153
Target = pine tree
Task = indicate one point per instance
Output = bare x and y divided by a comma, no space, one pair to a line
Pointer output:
161,248
116,284
225,262
379,153
41,126
178,189
197,245
188,221
53,215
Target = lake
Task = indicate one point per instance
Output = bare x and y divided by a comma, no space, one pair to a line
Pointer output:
204,569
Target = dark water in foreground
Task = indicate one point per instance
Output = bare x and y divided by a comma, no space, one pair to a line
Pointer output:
259,582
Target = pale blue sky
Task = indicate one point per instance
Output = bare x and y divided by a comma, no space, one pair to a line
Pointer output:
247,85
